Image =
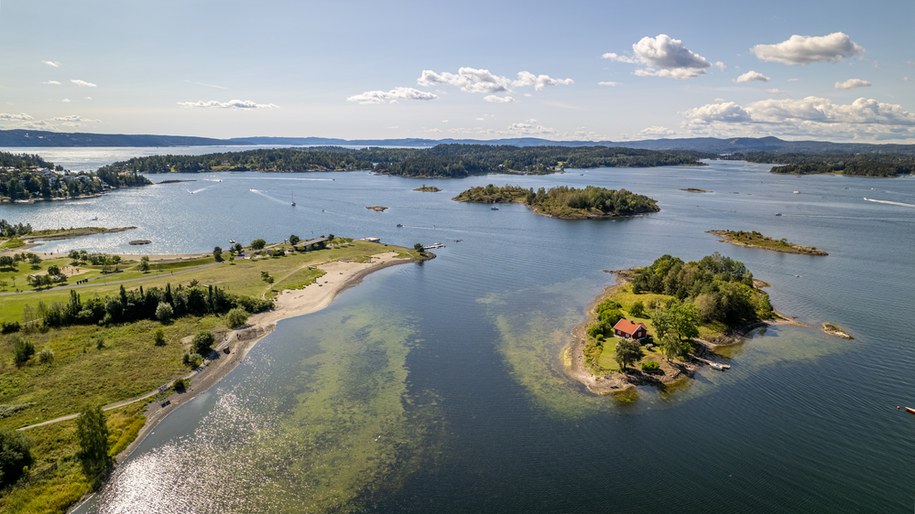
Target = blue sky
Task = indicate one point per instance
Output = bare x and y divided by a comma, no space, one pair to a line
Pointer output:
839,71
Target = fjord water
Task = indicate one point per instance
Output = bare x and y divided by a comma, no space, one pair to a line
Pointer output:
438,387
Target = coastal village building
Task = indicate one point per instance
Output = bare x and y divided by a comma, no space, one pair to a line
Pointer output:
629,330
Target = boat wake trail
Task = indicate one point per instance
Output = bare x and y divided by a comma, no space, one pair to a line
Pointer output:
890,202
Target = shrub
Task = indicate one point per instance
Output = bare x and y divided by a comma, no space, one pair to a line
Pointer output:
23,350
236,317
46,356
258,244
203,343
191,360
159,337
8,327
637,310
164,312
181,384
650,366
15,456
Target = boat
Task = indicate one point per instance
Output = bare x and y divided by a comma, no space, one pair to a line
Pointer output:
232,241
293,199
910,410
136,242
796,192
400,225
778,214
494,208
94,218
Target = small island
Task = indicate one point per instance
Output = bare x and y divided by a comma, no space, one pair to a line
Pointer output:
835,330
21,235
754,239
658,322
376,208
565,202
695,190
427,189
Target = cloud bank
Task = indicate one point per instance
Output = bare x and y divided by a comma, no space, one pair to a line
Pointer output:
231,104
863,118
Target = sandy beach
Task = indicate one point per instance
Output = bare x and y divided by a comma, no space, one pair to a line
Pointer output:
339,276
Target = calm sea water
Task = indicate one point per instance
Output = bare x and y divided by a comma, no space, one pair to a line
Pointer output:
436,387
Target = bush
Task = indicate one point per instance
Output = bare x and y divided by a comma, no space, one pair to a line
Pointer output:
15,456
159,337
46,356
164,312
203,343
181,384
8,327
191,360
637,310
23,350
650,366
258,244
236,317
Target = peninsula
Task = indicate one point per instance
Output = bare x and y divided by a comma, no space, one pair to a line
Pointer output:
565,202
445,160
754,239
658,321
163,327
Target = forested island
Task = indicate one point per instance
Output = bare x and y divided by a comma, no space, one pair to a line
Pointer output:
683,308
565,202
25,177
853,164
449,160
754,239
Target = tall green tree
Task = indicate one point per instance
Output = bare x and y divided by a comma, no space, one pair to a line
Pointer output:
92,432
628,351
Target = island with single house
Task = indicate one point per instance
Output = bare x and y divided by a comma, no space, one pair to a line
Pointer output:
661,321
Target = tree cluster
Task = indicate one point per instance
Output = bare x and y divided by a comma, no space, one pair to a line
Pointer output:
9,230
137,304
721,288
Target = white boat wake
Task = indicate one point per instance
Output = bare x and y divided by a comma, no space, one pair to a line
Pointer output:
889,202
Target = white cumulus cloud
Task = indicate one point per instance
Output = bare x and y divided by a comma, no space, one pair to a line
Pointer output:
5,116
53,64
82,83
656,131
66,100
231,104
852,84
51,83
496,99
538,82
751,76
479,80
664,56
806,49
392,96
529,128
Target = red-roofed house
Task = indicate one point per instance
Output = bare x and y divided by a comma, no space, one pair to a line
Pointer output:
629,330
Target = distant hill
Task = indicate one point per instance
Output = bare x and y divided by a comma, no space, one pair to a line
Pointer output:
36,138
